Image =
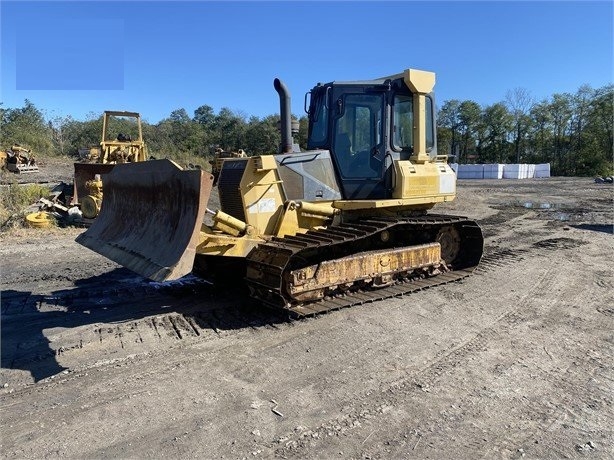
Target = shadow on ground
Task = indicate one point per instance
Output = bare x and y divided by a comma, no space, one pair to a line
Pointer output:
605,228
114,297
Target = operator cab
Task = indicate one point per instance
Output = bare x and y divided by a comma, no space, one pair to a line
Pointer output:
366,125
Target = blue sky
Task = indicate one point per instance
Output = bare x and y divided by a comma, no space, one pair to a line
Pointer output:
78,58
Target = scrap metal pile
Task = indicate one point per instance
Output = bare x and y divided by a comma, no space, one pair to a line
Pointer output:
18,159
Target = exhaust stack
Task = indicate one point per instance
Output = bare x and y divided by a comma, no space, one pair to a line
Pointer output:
286,117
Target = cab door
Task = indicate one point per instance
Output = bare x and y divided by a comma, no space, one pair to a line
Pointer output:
357,142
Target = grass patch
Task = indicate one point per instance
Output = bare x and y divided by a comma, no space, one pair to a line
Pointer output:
15,199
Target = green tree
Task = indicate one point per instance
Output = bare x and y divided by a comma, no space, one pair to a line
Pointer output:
498,123
469,117
444,140
540,136
519,103
302,132
180,134
59,134
230,129
262,136
81,134
204,115
26,126
594,148
560,109
449,117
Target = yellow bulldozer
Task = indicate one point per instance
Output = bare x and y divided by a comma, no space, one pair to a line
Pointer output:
115,148
342,223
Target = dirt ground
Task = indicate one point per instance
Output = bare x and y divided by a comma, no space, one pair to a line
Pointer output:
51,170
514,361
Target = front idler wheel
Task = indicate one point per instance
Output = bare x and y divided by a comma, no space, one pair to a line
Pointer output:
449,239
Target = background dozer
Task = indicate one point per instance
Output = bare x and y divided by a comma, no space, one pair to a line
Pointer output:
342,223
121,142
19,159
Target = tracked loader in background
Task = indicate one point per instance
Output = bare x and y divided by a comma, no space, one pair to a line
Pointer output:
116,148
342,223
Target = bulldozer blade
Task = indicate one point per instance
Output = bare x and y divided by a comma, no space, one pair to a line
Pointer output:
83,173
150,218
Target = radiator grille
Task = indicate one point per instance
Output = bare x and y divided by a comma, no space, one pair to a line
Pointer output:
228,188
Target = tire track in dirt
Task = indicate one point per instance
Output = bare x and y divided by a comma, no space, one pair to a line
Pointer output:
223,322
197,314
80,345
145,299
377,405
192,318
439,426
582,383
69,325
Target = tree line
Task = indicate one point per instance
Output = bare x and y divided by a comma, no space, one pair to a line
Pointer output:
177,136
572,132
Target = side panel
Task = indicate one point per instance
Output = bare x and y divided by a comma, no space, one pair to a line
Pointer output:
308,176
262,194
424,180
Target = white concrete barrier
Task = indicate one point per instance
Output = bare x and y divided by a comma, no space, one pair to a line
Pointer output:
516,171
470,172
542,170
501,171
493,171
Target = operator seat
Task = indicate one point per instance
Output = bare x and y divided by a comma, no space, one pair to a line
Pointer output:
343,145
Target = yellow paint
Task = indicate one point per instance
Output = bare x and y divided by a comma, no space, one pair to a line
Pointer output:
220,244
420,83
303,216
226,223
114,151
262,193
265,163
288,221
318,209
421,180
39,219
370,265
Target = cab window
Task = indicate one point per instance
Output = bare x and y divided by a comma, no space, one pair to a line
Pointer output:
403,123
319,121
358,132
